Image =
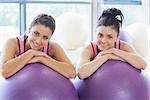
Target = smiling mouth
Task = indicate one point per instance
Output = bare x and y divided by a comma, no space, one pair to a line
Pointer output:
36,45
102,47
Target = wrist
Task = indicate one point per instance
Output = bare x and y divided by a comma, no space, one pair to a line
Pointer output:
41,59
31,53
107,56
114,51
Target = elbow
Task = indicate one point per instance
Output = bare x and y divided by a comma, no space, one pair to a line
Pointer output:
144,65
71,73
81,75
5,74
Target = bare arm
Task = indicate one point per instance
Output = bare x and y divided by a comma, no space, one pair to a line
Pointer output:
10,63
127,53
87,67
60,62
131,58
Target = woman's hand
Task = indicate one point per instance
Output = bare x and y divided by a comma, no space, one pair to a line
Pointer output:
37,56
109,51
115,57
36,53
35,59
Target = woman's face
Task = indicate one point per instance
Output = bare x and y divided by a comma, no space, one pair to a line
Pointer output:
106,37
39,35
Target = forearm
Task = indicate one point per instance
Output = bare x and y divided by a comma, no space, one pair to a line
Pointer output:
88,69
131,58
65,69
12,66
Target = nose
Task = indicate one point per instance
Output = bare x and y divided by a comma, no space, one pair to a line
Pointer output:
104,40
39,40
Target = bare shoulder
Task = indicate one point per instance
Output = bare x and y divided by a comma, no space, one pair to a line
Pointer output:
126,46
87,51
12,40
58,53
54,48
11,43
10,49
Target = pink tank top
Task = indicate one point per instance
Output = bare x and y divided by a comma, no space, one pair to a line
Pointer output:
95,49
21,44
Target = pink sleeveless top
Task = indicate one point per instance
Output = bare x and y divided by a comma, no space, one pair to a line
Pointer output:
21,44
95,48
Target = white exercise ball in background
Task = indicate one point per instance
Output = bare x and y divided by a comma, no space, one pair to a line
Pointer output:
72,30
139,34
149,41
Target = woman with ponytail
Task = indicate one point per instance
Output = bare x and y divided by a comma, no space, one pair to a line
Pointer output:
107,46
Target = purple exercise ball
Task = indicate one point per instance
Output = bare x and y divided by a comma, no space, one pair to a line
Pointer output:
114,80
37,82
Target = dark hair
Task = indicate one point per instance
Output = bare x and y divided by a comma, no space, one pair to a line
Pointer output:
111,17
44,19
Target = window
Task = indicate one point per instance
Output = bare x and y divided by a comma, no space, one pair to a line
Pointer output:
63,0
56,10
126,2
9,22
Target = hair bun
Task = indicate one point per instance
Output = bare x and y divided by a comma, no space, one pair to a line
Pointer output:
112,12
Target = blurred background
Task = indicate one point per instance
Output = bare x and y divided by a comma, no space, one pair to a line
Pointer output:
76,20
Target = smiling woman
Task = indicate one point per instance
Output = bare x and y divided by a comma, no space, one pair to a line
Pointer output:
35,47
107,46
